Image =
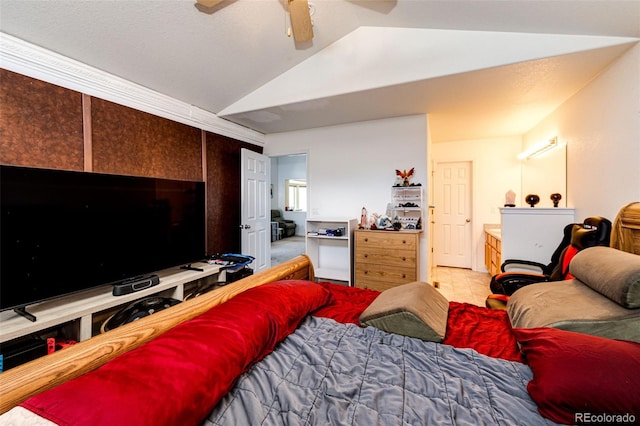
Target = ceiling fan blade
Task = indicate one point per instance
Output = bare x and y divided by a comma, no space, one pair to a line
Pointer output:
209,3
300,20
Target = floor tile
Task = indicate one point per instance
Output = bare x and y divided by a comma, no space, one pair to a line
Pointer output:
463,285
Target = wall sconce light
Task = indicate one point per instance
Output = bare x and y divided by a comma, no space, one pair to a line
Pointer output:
537,150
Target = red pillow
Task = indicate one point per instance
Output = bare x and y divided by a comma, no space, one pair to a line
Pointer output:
578,378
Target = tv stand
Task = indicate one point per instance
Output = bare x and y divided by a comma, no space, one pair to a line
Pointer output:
22,311
84,308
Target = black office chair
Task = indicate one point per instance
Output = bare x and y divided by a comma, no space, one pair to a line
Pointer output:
594,231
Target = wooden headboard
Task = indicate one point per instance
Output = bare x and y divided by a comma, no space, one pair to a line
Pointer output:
19,383
625,234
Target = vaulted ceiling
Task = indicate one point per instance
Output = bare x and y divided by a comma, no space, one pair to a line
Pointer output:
478,68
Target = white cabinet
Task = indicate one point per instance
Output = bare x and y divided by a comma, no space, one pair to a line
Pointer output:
329,244
407,206
533,233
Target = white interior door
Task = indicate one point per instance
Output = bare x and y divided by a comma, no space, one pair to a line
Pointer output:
453,214
256,216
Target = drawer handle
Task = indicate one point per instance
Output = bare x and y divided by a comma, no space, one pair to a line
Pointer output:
366,272
404,241
366,239
366,255
404,258
404,275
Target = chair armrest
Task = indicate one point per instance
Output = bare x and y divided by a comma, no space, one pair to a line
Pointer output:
508,282
280,220
510,265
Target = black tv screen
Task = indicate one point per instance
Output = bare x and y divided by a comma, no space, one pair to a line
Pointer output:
63,231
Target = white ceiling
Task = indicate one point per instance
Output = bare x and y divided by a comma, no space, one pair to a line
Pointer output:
368,59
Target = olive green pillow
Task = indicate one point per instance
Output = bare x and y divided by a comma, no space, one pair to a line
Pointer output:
415,310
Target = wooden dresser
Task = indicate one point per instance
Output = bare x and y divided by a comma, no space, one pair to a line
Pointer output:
385,259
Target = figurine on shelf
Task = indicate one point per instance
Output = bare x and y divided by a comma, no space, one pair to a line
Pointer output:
383,222
405,176
363,219
373,219
532,199
510,199
556,197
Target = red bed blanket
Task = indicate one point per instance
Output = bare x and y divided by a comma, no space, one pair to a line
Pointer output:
486,330
178,377
181,375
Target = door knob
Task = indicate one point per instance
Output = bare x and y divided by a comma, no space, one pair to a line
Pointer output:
468,220
245,226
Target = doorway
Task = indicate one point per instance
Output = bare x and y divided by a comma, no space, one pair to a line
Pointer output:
452,216
289,202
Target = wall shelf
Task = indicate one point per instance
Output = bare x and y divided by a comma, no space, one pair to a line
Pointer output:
407,206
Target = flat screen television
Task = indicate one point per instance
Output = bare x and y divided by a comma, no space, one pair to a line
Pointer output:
62,231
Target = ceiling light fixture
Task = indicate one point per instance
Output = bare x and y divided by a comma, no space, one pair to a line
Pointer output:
537,150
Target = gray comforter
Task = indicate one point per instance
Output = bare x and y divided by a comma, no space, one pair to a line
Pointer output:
329,373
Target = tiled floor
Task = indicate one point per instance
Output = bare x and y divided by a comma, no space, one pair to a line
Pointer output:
463,285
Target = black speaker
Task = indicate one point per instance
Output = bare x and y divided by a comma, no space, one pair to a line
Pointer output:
132,285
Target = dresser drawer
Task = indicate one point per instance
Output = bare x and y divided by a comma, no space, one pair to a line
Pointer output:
386,239
376,285
391,257
383,274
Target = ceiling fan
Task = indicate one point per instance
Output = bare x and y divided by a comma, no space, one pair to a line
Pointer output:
298,12
300,20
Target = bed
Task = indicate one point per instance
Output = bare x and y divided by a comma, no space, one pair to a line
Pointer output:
279,348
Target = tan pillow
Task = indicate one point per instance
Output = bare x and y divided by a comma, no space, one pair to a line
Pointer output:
415,310
610,272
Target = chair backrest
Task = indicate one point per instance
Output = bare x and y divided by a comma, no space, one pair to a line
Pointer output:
275,214
626,229
558,253
594,231
597,232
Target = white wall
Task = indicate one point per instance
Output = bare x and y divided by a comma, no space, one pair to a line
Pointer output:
351,166
496,170
601,126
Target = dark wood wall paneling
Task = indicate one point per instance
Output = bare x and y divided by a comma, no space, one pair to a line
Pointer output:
223,192
130,142
41,125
